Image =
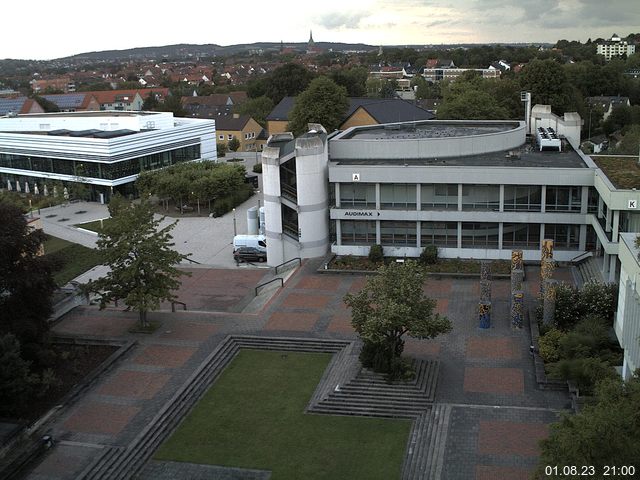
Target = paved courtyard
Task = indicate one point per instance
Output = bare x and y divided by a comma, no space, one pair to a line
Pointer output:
486,376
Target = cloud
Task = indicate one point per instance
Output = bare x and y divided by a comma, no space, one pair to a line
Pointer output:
341,20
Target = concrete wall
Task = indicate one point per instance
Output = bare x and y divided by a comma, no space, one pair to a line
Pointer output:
569,125
437,147
627,320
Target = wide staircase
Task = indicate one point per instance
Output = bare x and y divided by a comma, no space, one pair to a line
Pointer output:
345,389
370,394
589,271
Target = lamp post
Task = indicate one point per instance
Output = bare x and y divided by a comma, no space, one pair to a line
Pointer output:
235,232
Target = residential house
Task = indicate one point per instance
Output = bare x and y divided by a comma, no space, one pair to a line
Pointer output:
242,127
74,102
19,105
608,103
361,111
127,100
64,84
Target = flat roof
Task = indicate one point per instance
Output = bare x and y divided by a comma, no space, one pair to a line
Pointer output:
526,156
623,172
428,129
91,113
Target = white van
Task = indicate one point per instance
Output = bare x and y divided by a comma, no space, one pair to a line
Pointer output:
256,241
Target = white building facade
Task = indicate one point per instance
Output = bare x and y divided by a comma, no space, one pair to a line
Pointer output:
105,150
615,47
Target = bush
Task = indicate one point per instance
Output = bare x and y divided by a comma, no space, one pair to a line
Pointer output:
221,149
376,254
429,255
567,306
584,372
257,168
599,299
548,344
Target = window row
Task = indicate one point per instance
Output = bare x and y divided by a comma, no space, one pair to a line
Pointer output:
108,171
517,198
445,234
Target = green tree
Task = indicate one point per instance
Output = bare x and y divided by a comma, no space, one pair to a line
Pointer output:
323,102
16,380
233,144
353,79
471,104
603,434
26,281
390,305
142,262
257,108
548,83
151,103
173,103
222,149
630,143
286,81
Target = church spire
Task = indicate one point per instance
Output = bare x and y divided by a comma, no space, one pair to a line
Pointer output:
311,37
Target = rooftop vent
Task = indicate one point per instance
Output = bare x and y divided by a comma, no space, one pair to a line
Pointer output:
548,139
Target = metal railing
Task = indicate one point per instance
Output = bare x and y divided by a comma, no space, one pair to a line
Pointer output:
173,305
192,261
298,259
582,256
267,283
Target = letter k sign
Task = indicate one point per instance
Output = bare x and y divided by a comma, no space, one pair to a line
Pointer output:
633,204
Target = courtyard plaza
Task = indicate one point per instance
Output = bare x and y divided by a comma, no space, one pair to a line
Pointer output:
496,412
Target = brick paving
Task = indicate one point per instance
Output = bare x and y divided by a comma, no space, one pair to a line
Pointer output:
139,385
292,321
497,348
494,380
101,418
164,356
510,438
485,472
498,414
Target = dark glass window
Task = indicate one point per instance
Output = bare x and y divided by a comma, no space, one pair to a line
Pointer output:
358,195
479,235
442,234
439,196
522,198
398,233
398,196
563,199
481,197
523,235
354,232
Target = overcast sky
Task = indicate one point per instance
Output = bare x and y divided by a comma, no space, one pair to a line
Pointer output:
46,30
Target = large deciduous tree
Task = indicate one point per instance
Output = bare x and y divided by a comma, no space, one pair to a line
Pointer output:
390,305
548,83
606,433
26,281
323,102
142,262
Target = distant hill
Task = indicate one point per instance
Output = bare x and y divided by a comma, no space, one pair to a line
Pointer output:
184,50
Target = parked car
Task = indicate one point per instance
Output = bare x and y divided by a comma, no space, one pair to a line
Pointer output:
246,254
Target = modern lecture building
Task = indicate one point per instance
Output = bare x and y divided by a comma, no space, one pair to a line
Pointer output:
106,150
475,189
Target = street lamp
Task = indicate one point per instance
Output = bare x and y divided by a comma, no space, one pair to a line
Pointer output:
235,232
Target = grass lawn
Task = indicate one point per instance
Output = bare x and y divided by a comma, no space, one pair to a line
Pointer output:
253,417
73,259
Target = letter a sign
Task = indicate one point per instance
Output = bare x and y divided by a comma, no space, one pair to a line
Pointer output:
356,177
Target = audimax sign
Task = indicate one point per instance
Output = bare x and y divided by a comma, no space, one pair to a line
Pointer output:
361,213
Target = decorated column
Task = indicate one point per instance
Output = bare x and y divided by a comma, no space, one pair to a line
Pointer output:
517,289
517,309
484,307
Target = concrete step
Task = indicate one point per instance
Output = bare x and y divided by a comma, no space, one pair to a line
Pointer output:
378,400
364,411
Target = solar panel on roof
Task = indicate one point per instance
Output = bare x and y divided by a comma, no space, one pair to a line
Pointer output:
71,100
113,133
11,105
84,133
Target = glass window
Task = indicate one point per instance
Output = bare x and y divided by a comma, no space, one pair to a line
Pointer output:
592,204
398,196
358,195
523,235
442,234
563,199
398,233
41,164
439,196
290,222
479,235
481,197
63,166
564,236
355,232
522,198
